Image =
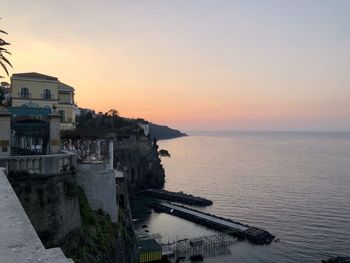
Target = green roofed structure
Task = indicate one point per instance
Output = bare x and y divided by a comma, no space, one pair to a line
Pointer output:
149,250
29,111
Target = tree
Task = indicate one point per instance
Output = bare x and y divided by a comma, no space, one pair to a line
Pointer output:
112,113
4,62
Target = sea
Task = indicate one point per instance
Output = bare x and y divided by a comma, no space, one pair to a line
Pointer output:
296,185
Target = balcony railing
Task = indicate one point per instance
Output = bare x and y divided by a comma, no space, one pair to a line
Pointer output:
31,98
54,164
47,96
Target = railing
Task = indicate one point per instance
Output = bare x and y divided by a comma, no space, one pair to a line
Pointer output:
30,98
47,96
40,164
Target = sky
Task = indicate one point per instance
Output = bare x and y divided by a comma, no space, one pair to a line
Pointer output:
193,64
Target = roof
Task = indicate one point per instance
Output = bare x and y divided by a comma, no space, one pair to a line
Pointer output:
30,109
20,111
148,245
65,87
34,75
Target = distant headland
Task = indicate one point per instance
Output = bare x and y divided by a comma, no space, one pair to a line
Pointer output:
162,132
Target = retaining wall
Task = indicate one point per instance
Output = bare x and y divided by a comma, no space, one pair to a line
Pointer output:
51,204
19,242
98,183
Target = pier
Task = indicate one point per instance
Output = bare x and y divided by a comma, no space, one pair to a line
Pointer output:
178,197
252,234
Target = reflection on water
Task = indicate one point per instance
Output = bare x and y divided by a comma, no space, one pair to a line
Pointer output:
172,228
295,185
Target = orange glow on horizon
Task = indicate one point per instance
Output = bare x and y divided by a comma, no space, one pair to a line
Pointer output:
184,72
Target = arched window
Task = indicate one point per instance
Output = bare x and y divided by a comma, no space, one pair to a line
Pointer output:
24,93
47,94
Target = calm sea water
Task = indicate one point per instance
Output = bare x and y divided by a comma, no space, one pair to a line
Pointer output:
295,185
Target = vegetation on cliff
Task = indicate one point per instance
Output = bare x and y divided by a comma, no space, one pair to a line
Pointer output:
102,124
133,150
98,238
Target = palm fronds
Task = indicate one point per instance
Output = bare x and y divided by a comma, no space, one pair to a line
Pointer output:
4,62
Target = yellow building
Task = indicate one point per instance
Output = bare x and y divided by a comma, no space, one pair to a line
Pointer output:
45,92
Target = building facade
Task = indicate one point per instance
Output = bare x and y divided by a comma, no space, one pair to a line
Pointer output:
45,92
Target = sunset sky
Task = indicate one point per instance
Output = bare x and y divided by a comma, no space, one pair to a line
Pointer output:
193,64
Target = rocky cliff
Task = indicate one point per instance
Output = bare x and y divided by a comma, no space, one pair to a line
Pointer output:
140,157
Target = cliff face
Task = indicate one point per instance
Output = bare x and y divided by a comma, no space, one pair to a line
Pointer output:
139,154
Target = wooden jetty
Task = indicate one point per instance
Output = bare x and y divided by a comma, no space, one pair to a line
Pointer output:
207,246
252,234
178,197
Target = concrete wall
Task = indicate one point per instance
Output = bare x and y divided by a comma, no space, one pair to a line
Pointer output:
55,137
19,242
65,97
98,182
5,133
69,110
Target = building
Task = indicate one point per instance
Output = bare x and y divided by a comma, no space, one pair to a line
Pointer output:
149,250
35,90
145,128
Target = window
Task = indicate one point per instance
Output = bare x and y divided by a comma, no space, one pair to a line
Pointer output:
47,94
24,93
62,113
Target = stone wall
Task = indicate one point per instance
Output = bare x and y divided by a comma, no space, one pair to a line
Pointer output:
50,202
19,242
98,183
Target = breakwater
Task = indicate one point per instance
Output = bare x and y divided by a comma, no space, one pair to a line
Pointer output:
244,232
178,197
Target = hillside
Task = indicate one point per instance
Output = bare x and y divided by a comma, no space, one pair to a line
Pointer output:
161,132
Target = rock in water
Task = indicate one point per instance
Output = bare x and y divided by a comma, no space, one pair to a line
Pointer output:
337,260
164,153
258,236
